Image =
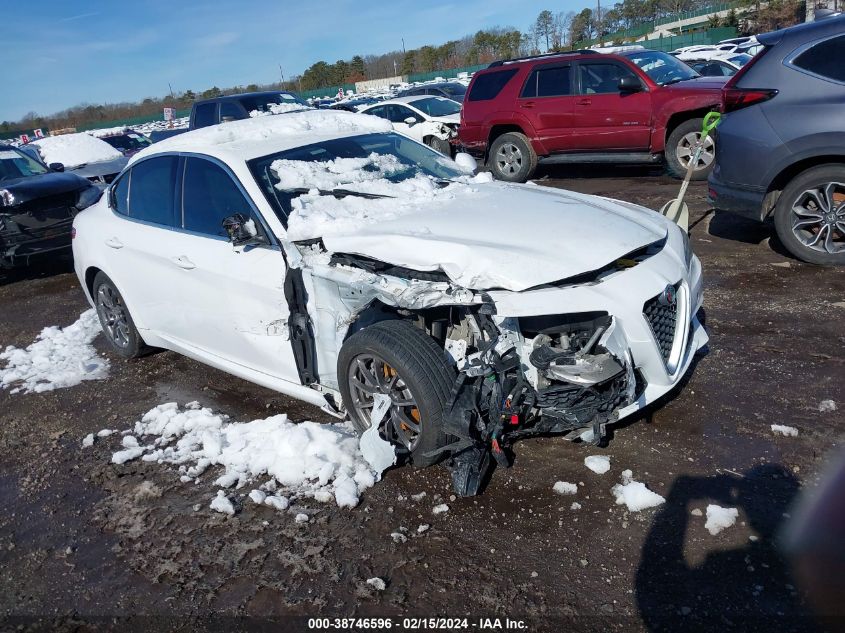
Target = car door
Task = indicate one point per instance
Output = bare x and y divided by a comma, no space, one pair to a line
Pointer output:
607,118
228,301
547,101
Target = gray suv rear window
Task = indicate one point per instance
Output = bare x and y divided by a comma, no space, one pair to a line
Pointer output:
826,59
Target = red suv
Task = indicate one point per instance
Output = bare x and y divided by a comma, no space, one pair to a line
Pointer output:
587,107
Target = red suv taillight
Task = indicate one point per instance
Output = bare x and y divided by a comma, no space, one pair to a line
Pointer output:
734,98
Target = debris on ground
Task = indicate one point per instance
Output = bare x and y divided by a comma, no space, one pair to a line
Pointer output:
719,518
423,528
565,488
301,518
440,508
59,357
575,506
634,494
398,537
782,429
221,503
599,464
377,583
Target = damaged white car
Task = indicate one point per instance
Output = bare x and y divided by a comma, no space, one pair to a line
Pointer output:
430,120
324,256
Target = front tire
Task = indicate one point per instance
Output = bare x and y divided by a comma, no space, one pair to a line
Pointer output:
439,145
679,151
810,215
118,327
399,360
512,158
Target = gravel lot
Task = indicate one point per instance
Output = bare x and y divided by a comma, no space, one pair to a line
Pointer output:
79,539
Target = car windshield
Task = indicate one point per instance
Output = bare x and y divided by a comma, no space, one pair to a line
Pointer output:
127,142
389,156
454,90
662,68
16,164
437,106
740,60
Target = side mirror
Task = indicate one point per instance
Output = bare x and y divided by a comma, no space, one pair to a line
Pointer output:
466,162
630,84
56,166
411,120
240,229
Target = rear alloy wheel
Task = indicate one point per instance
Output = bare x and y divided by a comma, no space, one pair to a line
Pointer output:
810,215
397,360
512,158
680,151
439,145
118,326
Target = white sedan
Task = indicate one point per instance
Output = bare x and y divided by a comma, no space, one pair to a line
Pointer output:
323,255
428,119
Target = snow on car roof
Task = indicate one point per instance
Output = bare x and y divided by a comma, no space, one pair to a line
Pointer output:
73,150
261,136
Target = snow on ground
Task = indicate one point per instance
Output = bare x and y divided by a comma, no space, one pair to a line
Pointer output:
59,357
634,494
599,464
781,429
440,508
827,406
565,488
319,461
719,518
73,150
377,583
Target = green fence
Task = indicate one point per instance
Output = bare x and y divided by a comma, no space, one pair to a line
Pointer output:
697,38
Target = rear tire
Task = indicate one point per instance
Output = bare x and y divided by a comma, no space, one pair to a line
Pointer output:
512,158
439,145
679,148
396,358
810,215
118,327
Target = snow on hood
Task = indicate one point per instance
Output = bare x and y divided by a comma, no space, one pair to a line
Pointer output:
73,150
483,235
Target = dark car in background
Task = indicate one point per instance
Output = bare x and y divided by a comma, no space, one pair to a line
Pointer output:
239,106
37,207
781,143
726,66
454,90
128,142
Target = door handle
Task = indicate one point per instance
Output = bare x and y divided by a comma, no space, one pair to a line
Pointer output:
183,262
527,104
585,102
113,242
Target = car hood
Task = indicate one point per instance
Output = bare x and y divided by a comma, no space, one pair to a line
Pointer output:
451,119
49,184
102,168
507,236
699,83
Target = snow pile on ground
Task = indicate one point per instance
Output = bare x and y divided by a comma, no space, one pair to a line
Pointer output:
320,461
565,488
827,406
73,150
314,214
279,108
599,464
781,429
719,518
634,494
59,357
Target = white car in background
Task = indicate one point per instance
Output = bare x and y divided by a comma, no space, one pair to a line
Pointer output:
325,256
428,119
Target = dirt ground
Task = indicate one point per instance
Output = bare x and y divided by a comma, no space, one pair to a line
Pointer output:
80,543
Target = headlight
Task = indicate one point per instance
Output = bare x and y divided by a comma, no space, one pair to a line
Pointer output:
7,199
87,197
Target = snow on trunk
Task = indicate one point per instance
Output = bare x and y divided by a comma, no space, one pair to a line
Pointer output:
59,357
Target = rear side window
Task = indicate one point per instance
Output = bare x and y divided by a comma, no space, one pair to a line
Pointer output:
548,82
826,59
379,111
204,114
153,189
489,85
209,195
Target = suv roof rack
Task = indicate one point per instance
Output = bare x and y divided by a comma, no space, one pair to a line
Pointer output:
502,62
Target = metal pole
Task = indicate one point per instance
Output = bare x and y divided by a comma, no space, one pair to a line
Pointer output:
403,45
598,21
282,74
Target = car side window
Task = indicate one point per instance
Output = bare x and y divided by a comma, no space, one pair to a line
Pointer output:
398,114
825,59
379,111
489,85
120,195
152,191
204,114
602,78
209,195
229,110
548,81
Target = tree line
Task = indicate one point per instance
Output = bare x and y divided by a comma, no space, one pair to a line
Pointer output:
548,32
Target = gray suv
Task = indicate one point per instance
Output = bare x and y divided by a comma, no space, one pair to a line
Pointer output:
781,149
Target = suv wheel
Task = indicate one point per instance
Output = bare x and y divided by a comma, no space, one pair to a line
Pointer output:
810,215
512,158
118,326
680,147
397,359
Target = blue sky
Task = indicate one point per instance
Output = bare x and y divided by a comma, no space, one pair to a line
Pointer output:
59,53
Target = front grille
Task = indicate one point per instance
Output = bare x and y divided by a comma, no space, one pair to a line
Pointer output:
661,312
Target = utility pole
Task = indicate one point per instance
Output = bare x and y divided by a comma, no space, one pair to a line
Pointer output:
403,45
282,74
171,90
395,72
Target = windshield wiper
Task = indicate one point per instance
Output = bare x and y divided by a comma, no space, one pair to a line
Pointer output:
674,81
339,193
